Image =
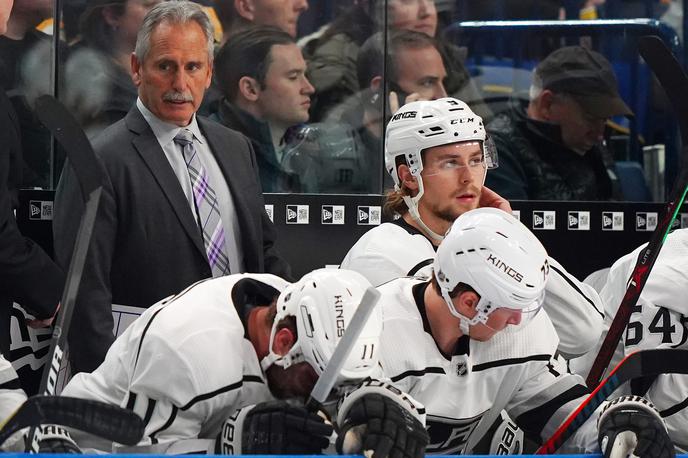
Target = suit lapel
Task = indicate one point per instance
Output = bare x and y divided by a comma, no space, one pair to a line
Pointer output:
149,149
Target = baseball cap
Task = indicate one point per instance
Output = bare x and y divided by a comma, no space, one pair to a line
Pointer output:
585,75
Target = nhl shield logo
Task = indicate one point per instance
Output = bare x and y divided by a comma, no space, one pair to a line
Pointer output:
461,368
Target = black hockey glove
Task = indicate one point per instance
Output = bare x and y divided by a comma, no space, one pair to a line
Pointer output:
56,439
273,427
379,423
631,426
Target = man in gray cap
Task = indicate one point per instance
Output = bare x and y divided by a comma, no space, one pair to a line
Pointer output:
552,149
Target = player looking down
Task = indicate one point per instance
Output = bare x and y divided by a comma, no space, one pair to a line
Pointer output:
477,342
438,154
210,370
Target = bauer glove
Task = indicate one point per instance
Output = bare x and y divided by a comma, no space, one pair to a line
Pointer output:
631,426
273,427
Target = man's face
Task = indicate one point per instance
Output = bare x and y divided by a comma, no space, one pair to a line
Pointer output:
283,14
453,176
579,131
297,381
421,70
417,15
5,9
286,95
176,72
496,322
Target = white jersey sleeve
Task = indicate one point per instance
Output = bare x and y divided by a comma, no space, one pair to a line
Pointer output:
575,309
183,366
387,252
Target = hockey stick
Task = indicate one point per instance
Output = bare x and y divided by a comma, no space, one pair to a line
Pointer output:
675,84
637,364
104,420
326,381
69,134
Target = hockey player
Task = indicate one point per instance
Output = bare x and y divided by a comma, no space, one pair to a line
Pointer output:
438,154
658,321
476,343
207,369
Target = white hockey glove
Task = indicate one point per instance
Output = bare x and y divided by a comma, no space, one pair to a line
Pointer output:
56,439
273,427
630,426
379,418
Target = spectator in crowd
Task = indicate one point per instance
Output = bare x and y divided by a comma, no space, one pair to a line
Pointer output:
105,92
181,198
332,57
438,154
27,274
21,47
236,15
414,71
552,149
241,342
261,74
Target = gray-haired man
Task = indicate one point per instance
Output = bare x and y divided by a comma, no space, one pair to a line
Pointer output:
181,199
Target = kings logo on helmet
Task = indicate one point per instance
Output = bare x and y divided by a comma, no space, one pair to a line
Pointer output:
404,115
339,314
501,265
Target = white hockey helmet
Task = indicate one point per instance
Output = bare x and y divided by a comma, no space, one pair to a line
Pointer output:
496,255
323,303
424,124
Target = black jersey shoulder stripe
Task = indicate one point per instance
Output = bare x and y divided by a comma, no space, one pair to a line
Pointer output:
418,373
533,421
674,409
510,362
11,385
168,423
573,285
414,270
143,335
131,401
219,391
149,411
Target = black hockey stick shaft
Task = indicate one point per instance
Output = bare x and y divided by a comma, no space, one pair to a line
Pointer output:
639,364
675,83
69,134
104,420
79,151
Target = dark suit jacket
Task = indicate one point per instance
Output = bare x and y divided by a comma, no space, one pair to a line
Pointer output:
27,275
146,244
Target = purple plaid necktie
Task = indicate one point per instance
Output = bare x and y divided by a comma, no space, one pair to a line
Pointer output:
205,201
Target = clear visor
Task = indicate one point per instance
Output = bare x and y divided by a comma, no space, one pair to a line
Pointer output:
516,320
482,158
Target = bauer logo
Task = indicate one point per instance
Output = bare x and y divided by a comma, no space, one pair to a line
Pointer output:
612,221
544,220
40,210
579,221
369,216
332,214
645,221
297,214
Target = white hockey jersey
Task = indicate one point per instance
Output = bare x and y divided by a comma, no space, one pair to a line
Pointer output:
513,371
185,364
393,250
659,320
